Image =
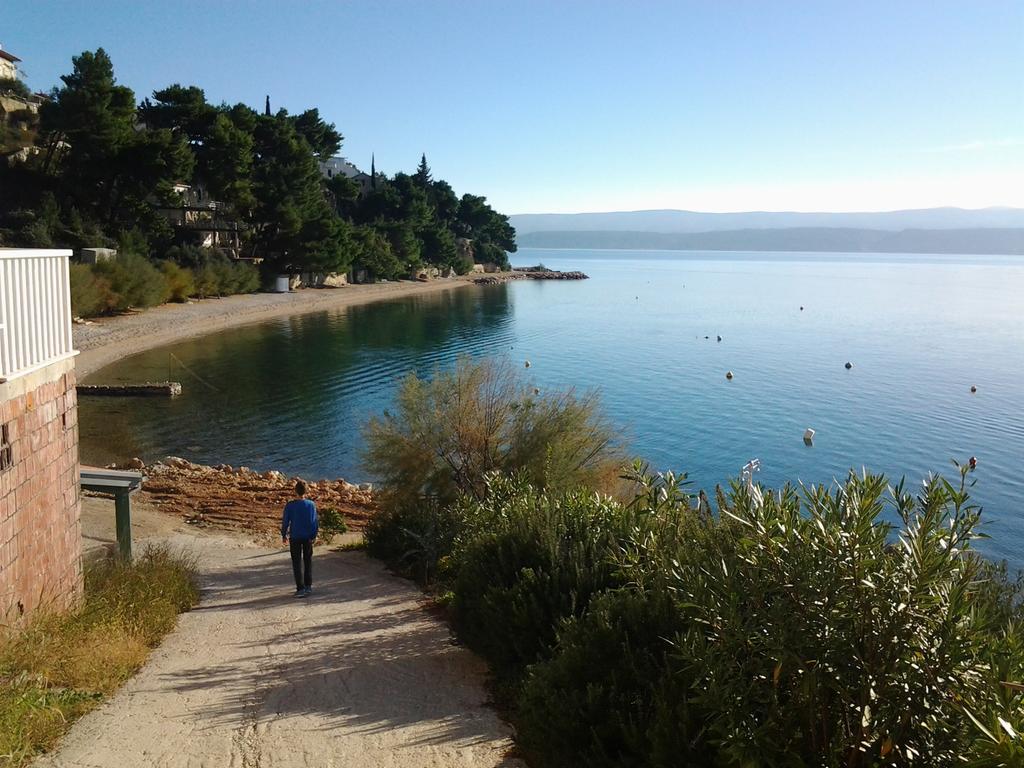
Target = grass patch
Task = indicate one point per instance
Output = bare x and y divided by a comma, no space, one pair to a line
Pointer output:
62,665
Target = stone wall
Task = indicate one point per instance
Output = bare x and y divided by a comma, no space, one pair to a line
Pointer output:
40,529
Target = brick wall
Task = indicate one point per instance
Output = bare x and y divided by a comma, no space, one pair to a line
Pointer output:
40,527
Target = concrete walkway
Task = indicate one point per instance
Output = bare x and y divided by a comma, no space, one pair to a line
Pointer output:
358,675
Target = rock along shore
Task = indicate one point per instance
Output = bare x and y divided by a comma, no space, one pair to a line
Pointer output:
529,274
241,499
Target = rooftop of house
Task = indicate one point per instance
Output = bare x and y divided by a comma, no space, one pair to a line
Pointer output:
8,56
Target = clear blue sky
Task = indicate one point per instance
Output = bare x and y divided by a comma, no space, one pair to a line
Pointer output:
558,105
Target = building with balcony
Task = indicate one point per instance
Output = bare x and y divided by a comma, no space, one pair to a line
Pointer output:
40,528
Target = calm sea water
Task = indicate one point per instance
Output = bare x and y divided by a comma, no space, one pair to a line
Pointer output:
920,331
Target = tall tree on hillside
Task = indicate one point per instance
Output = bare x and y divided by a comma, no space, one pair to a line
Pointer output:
108,170
183,110
266,107
87,122
322,136
444,201
478,221
422,175
225,163
294,226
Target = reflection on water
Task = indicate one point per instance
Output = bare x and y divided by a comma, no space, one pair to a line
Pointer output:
293,394
290,393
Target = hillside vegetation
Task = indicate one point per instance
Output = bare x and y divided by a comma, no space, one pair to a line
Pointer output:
108,169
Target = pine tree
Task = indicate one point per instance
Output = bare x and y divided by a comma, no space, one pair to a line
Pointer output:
373,173
422,174
266,108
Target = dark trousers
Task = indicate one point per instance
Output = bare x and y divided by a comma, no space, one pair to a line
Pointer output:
302,562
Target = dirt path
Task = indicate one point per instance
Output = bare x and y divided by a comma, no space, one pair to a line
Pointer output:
359,674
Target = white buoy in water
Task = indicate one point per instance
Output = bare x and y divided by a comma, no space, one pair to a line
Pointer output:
809,436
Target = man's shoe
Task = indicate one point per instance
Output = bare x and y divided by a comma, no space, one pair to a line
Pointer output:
300,593
307,592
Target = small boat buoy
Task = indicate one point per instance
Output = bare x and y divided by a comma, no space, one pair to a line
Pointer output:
972,462
707,337
728,375
719,338
973,389
536,390
808,436
849,366
527,364
801,309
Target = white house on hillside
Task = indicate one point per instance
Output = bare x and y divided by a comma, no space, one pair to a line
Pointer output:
339,166
8,65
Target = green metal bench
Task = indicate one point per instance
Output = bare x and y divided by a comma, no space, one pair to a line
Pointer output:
122,484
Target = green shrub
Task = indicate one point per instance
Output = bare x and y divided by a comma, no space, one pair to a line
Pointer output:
449,432
180,281
332,522
801,629
415,538
531,560
91,295
219,276
207,281
134,281
593,703
13,85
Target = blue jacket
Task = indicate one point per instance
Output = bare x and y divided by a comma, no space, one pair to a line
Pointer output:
300,516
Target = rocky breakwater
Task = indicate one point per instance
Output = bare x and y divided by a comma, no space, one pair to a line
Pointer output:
240,499
529,274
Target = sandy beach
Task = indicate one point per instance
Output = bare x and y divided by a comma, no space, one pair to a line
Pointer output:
107,339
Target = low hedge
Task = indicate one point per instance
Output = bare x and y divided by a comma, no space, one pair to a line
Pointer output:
134,282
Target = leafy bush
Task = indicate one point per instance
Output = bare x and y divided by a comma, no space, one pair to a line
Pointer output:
532,560
449,432
219,276
91,294
181,282
594,702
801,629
13,85
415,538
332,522
134,281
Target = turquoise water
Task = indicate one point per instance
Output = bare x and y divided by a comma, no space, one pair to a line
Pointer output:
920,331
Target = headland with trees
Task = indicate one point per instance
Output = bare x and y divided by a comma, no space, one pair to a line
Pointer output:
100,169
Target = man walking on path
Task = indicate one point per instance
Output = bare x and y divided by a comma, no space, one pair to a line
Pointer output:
300,519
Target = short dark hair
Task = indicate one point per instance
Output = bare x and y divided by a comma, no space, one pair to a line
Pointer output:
300,488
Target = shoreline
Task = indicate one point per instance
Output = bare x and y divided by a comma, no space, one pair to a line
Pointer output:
105,340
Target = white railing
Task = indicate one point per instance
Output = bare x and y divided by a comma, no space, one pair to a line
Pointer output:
35,310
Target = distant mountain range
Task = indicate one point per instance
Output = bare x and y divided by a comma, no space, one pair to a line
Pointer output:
930,230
